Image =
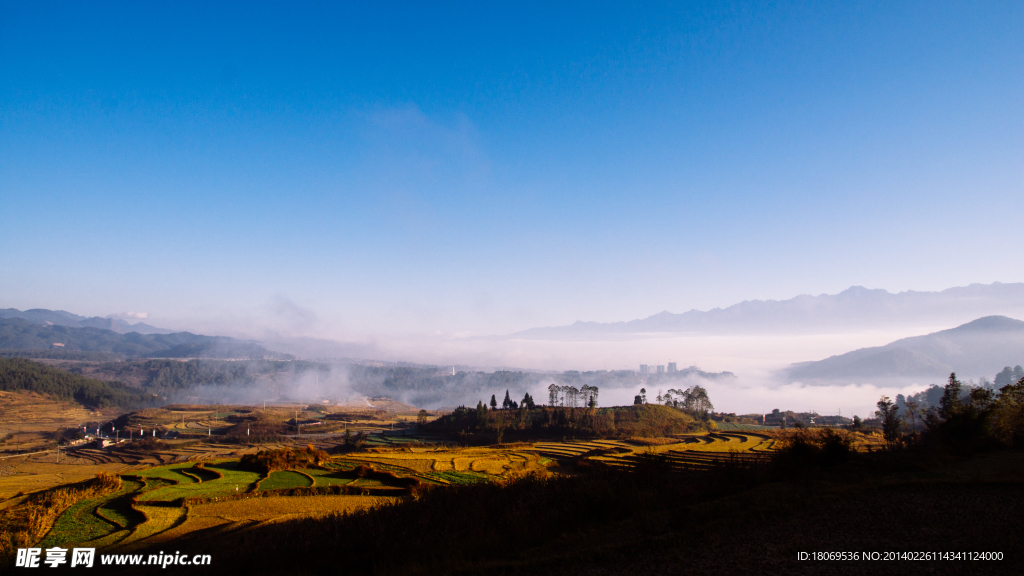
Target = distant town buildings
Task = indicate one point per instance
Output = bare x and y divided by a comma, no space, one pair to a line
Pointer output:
658,369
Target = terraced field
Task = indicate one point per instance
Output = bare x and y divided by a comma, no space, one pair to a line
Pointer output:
285,479
685,452
113,521
326,477
233,480
427,464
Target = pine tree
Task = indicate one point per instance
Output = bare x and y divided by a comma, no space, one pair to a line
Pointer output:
507,402
494,402
950,401
527,401
888,413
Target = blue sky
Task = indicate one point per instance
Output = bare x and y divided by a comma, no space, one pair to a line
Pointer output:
412,168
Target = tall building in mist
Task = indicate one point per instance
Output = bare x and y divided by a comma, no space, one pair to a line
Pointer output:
661,368
644,369
672,367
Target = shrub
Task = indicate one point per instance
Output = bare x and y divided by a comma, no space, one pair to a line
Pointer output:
823,447
26,523
266,461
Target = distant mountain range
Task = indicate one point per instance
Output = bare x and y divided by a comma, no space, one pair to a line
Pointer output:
854,308
23,334
62,318
979,348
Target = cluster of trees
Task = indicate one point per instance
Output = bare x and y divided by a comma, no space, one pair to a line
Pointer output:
693,401
1009,376
62,354
22,374
964,416
572,397
266,461
931,398
169,376
509,404
484,425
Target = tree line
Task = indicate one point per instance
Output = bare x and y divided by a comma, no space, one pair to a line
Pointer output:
693,401
964,416
19,374
572,397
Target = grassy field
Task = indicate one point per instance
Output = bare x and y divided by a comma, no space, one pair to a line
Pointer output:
326,477
158,519
175,473
234,480
80,523
285,479
457,478
278,507
118,508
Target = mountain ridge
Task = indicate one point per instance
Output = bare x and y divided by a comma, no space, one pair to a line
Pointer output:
855,307
22,334
975,349
64,318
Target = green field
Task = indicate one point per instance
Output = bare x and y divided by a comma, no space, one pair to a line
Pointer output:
172,472
79,523
458,478
327,477
118,509
281,479
234,480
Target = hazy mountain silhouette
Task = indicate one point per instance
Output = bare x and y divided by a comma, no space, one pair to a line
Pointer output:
854,308
21,334
62,318
978,348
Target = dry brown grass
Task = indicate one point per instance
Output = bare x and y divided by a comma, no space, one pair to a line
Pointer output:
652,441
278,507
24,524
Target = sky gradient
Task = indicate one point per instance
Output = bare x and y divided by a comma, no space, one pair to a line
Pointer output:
342,170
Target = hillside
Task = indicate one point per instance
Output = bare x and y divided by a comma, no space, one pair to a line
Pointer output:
855,307
978,348
21,334
20,375
480,425
62,318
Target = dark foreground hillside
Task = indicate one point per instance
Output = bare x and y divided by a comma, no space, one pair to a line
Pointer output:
650,521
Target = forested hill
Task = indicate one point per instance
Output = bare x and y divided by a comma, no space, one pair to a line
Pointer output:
19,374
20,334
978,348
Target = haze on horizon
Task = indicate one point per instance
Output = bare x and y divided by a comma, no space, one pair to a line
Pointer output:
410,178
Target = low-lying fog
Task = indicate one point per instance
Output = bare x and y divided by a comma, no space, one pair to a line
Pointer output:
755,360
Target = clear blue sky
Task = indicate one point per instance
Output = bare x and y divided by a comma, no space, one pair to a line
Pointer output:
409,168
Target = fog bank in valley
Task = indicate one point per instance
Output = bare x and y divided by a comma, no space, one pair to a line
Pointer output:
756,361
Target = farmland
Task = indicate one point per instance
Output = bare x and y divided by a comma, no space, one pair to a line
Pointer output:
202,489
201,483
